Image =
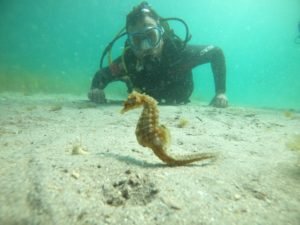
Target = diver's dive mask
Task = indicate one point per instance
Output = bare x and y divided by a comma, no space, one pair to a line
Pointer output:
146,39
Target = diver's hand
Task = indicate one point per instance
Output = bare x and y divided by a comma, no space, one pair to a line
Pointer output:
97,95
219,101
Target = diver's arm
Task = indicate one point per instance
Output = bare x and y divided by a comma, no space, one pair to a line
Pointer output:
197,55
103,77
96,93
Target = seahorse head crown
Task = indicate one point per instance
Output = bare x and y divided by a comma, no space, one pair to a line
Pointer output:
134,100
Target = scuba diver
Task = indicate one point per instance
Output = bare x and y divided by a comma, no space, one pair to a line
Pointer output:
155,61
297,39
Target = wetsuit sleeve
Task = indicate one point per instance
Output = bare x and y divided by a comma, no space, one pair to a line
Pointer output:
195,55
115,72
101,79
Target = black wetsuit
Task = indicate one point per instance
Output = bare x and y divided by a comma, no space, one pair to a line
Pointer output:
169,80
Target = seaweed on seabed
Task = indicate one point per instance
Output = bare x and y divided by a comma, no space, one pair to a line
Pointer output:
55,108
182,122
294,145
78,148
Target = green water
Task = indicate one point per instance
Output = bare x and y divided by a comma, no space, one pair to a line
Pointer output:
54,46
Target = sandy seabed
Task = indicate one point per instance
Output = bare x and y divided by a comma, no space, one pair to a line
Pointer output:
64,160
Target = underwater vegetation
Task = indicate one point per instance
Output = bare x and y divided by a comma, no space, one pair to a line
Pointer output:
182,123
294,143
78,149
30,82
55,108
291,114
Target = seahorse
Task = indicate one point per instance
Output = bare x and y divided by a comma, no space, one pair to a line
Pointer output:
151,134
